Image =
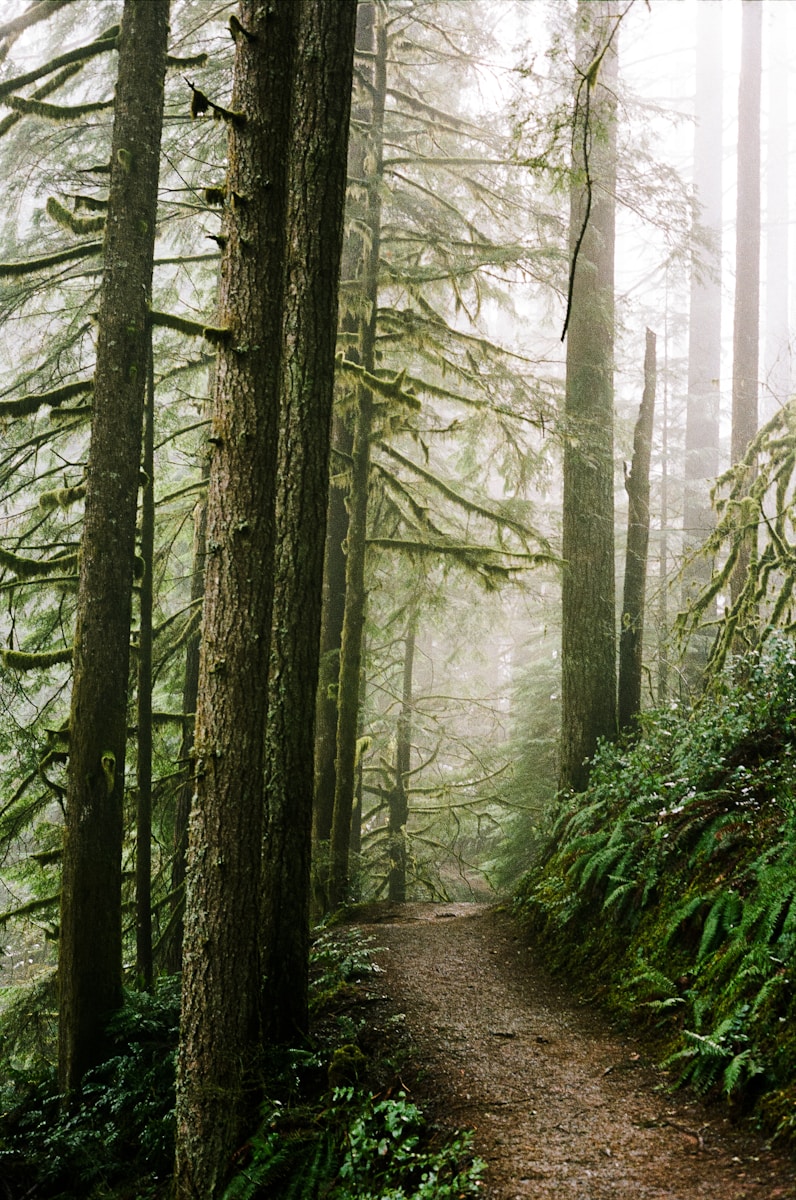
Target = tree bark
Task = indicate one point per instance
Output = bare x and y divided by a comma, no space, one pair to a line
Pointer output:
219,1055
316,200
588,648
637,484
143,823
90,946
356,595
333,609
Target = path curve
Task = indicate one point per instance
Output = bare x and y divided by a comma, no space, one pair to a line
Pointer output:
563,1107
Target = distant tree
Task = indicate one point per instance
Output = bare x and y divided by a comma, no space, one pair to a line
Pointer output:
746,326
588,653
637,485
704,323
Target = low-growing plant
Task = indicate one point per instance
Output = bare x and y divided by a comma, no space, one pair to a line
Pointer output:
672,880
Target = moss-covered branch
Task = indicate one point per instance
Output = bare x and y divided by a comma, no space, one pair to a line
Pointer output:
211,333
47,89
104,43
31,16
28,568
23,660
55,112
393,390
25,405
68,220
62,498
43,263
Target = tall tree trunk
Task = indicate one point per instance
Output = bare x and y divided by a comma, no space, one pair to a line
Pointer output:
143,824
637,483
172,956
777,344
746,328
217,1073
333,610
90,959
704,322
399,797
356,598
317,188
588,650
663,554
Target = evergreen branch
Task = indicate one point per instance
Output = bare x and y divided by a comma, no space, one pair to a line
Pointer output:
45,261
392,389
25,405
105,42
470,506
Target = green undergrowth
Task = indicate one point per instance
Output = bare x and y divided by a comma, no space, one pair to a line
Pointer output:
337,1123
669,888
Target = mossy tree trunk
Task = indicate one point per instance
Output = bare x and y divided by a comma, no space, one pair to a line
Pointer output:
333,610
637,485
90,961
356,546
317,187
588,652
399,796
172,953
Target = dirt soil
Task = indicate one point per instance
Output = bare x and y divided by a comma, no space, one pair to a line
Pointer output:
562,1105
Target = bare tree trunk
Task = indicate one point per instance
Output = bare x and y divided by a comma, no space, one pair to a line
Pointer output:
90,963
746,329
637,483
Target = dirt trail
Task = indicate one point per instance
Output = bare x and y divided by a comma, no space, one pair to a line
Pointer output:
562,1106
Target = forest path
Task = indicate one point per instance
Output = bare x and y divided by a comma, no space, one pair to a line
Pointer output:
562,1105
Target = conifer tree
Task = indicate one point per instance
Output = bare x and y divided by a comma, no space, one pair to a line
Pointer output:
90,948
588,653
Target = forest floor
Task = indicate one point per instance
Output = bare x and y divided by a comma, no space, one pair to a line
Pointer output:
562,1105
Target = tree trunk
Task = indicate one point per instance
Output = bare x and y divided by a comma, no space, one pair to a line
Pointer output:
143,824
778,350
333,610
356,598
704,322
90,946
217,1075
172,957
316,201
588,649
399,798
746,328
637,483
